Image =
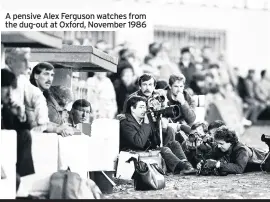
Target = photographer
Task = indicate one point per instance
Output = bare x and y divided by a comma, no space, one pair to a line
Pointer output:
232,156
155,101
178,96
136,133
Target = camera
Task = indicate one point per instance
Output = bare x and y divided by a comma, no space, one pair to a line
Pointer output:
168,112
266,139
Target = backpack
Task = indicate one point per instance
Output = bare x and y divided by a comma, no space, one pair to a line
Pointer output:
65,184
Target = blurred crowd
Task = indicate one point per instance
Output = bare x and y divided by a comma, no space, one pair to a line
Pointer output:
207,73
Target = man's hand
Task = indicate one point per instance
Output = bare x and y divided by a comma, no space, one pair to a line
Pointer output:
146,119
210,163
199,165
121,117
64,130
94,188
18,110
180,98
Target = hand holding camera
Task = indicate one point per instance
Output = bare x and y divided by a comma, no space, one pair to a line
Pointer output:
146,119
210,163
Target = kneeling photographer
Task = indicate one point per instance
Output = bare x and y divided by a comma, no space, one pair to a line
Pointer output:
176,95
138,133
231,156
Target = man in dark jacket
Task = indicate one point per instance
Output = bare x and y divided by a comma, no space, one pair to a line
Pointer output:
232,156
136,133
186,66
10,121
124,86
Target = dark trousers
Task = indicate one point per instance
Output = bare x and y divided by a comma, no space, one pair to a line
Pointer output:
25,165
173,154
9,121
168,135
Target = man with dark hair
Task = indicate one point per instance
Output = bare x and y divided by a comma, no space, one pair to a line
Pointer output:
136,134
10,121
124,86
147,84
186,66
42,75
232,156
207,55
214,126
80,112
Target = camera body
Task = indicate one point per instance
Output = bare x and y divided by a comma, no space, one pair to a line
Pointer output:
266,139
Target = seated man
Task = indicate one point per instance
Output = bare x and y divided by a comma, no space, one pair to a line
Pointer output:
136,133
10,121
57,97
80,113
28,98
232,156
176,95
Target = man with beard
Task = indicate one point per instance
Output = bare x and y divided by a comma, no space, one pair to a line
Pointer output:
147,84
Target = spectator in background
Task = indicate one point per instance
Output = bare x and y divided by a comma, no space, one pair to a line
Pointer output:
124,86
186,66
262,88
255,106
148,68
101,45
207,55
101,94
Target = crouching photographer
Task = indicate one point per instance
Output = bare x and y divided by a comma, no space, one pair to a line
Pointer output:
138,133
231,156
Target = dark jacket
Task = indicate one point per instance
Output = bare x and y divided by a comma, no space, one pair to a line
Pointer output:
134,136
54,109
187,110
188,72
122,92
239,158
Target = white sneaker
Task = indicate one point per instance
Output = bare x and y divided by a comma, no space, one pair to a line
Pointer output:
246,122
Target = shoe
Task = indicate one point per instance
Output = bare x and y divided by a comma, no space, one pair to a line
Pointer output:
246,122
189,170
